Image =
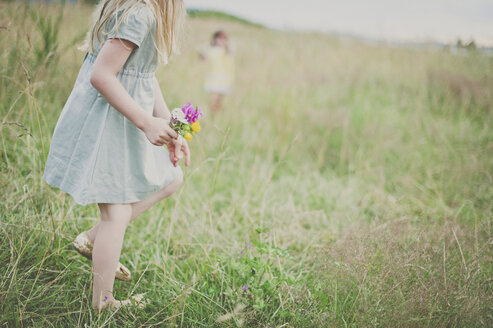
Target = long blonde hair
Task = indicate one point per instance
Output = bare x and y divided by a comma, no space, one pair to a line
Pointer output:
169,16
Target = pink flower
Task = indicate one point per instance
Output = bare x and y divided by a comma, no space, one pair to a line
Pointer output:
245,287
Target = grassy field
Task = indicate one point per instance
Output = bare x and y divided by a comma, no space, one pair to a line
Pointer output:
344,184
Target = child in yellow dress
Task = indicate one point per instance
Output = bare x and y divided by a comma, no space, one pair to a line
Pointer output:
220,77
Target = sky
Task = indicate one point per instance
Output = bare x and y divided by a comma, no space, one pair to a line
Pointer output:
386,20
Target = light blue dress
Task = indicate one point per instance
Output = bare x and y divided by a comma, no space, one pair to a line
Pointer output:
96,154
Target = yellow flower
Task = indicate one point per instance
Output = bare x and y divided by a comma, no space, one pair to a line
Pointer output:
196,126
188,136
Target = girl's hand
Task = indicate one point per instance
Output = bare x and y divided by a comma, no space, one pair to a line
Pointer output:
178,143
158,131
177,148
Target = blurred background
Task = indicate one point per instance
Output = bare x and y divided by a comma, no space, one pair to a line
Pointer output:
346,180
421,21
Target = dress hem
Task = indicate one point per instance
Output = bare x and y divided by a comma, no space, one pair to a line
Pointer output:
137,196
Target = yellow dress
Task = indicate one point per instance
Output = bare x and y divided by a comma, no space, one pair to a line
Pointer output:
221,70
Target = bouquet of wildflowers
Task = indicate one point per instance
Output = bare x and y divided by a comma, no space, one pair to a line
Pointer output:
185,120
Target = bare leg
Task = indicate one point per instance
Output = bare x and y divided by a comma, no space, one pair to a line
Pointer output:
216,102
141,206
108,240
106,252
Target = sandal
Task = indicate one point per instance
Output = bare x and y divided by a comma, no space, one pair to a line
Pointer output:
83,245
138,301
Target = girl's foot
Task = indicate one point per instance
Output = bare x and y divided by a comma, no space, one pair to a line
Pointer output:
84,245
110,303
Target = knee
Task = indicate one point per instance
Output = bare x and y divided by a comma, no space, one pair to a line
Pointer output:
173,186
117,214
178,180
118,221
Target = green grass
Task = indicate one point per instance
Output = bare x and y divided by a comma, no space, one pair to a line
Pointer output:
360,177
213,14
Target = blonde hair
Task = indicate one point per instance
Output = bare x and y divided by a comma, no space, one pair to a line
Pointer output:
169,16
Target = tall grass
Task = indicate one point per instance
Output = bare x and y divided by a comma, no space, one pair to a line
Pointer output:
343,185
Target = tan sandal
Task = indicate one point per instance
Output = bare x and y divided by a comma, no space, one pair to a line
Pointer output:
83,245
138,301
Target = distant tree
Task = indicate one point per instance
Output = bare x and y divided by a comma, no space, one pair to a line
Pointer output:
471,46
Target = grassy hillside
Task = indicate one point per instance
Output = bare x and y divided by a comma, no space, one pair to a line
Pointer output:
344,184
219,15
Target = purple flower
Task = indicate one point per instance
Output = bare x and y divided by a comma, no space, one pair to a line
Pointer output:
106,297
245,287
241,252
188,106
191,114
248,245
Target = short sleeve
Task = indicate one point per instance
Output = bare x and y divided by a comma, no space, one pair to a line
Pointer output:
135,27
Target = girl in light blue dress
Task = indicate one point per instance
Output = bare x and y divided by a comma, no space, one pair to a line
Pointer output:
107,147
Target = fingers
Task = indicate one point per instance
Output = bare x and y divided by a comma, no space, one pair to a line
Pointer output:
167,134
186,151
171,138
159,142
172,134
173,158
177,149
172,153
159,132
178,143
